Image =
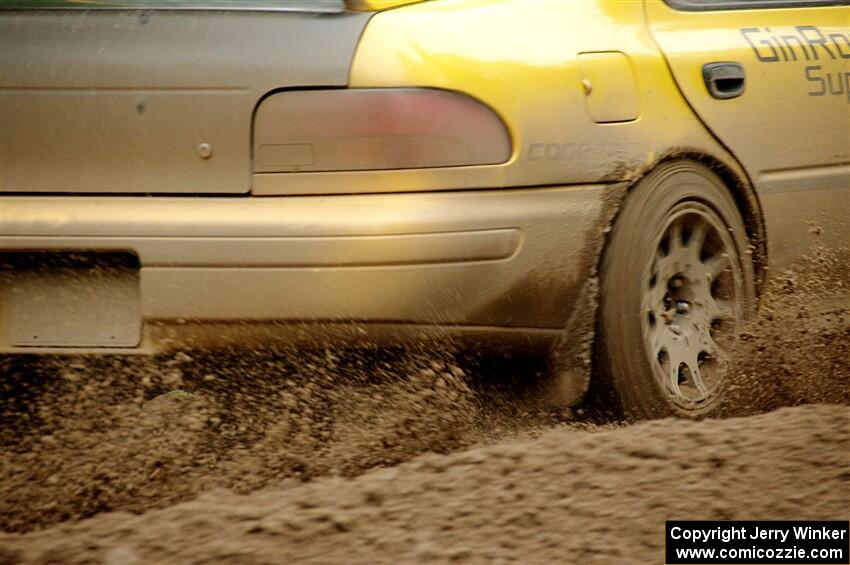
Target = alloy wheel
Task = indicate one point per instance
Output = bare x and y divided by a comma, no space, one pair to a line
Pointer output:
692,305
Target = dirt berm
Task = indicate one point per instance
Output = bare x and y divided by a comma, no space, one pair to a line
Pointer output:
565,496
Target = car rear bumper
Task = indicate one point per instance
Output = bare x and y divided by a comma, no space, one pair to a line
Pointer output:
501,261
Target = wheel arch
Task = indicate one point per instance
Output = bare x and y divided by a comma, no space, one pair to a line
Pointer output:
575,369
737,182
741,198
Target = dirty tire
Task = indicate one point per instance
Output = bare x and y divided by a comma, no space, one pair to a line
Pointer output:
676,282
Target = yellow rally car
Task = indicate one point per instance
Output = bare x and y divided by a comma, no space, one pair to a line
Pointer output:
192,172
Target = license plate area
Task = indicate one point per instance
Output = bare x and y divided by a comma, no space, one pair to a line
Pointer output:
70,299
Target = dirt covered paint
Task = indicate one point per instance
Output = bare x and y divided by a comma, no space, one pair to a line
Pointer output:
572,355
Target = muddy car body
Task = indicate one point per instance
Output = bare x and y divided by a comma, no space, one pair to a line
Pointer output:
396,170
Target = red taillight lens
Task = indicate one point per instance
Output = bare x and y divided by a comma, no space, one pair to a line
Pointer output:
374,129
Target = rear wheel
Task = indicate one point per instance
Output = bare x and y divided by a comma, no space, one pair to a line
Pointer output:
676,282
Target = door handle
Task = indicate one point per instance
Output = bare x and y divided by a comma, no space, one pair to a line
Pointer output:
724,80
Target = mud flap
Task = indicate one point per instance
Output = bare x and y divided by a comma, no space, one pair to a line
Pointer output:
572,355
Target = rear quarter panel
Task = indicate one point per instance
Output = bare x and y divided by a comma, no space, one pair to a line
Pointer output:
790,128
521,58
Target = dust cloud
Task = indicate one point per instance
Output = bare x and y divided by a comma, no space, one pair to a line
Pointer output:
423,454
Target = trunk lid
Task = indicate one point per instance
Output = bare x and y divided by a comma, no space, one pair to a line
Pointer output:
154,100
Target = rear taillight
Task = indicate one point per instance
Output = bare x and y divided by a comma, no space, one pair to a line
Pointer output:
375,129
